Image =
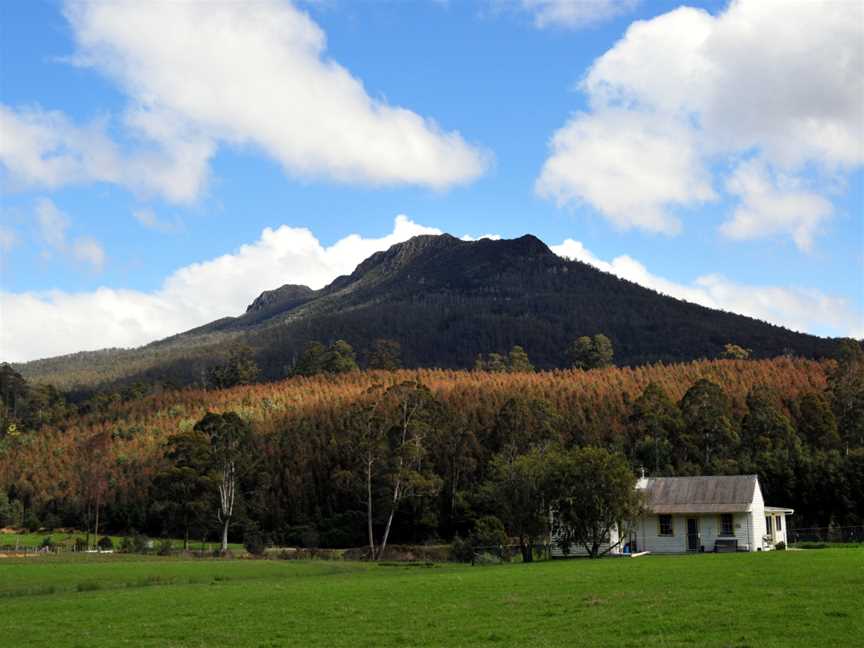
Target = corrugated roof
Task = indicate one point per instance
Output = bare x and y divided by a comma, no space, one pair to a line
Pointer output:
708,494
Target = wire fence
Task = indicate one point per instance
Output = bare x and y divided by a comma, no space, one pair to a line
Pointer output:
845,534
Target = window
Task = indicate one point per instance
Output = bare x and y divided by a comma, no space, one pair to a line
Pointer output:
665,524
768,528
779,522
726,528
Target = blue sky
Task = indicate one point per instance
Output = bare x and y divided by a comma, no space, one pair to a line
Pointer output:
162,164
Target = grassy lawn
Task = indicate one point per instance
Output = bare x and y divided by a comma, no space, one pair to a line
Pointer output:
793,598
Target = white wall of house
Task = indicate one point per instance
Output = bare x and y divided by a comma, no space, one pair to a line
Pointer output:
579,550
758,519
709,527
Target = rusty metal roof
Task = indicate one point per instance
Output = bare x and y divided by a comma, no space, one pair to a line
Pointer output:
720,494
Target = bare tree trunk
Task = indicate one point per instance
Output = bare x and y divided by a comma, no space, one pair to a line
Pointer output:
369,508
396,494
89,509
96,526
225,534
226,500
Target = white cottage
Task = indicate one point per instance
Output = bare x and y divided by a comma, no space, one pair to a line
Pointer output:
695,514
707,514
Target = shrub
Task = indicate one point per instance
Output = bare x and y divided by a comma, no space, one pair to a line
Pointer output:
461,550
134,543
254,543
488,537
47,542
31,521
140,543
80,544
486,558
10,511
292,536
164,547
105,544
780,546
489,533
52,521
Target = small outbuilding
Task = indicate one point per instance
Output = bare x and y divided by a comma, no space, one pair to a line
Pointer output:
700,514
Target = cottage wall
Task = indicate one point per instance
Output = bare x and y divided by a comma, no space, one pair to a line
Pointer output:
579,550
649,538
757,521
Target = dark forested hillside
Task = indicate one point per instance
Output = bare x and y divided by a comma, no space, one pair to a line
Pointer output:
444,301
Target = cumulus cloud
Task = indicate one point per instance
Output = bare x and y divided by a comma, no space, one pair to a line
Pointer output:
777,84
799,309
201,74
639,164
773,204
575,14
52,225
45,149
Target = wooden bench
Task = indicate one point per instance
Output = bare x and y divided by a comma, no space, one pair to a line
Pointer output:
724,545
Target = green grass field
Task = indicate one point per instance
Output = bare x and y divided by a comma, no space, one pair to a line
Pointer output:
793,598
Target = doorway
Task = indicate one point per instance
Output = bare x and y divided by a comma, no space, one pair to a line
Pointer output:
693,540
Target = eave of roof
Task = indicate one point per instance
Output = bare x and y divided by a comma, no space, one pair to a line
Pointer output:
669,509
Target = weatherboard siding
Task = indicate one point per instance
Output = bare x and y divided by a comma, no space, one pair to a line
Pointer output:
579,550
650,539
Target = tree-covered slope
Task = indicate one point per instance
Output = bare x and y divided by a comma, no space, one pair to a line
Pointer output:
445,300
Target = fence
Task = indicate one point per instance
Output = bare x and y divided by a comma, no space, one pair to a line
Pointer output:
847,534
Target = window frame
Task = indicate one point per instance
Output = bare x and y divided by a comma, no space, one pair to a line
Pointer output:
769,525
778,523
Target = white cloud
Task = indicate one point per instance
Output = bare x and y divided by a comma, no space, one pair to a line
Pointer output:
575,14
40,148
52,224
200,74
778,82
191,296
44,149
629,165
799,309
770,205
148,218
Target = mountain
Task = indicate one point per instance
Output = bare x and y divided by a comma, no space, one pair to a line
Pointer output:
445,300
